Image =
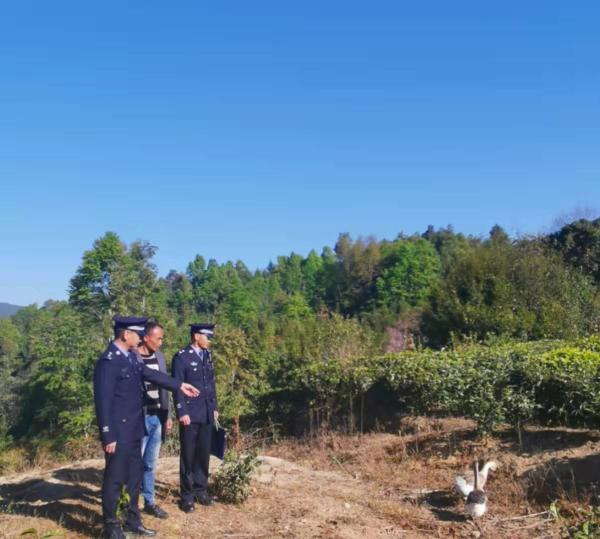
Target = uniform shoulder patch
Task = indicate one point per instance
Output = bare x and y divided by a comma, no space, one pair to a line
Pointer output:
107,356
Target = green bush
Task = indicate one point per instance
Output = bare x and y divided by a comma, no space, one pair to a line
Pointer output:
546,381
231,482
566,385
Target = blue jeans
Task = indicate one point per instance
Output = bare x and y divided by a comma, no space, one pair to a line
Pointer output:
150,450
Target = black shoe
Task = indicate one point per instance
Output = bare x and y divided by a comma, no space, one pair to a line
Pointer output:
113,532
138,530
203,499
187,507
155,511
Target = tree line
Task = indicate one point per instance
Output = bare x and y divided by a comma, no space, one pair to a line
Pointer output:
356,300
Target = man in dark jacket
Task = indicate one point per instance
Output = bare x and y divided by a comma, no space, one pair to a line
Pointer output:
197,416
156,411
119,398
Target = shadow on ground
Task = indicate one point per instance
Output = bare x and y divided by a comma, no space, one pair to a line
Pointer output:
576,478
443,504
58,498
466,441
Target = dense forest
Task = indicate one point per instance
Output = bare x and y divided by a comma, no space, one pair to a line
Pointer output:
301,343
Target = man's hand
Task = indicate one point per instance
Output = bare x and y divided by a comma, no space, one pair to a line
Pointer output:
216,415
185,420
110,448
189,390
169,425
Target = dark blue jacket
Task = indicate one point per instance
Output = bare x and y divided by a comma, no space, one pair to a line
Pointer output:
119,394
197,370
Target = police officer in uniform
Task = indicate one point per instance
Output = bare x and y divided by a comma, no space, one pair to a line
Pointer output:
197,416
119,398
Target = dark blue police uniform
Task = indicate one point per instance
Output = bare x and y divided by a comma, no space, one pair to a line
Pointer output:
195,366
119,400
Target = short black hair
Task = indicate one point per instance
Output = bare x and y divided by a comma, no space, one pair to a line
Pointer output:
119,333
151,326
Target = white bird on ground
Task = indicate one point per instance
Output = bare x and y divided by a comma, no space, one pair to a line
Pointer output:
476,505
464,486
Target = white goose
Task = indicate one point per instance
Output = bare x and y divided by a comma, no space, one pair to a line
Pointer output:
465,486
476,505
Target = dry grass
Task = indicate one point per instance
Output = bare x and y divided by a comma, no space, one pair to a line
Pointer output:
38,456
414,470
351,487
13,460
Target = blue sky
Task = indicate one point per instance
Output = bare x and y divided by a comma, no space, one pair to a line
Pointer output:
245,130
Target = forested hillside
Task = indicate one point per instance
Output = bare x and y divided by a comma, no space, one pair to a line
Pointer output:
300,343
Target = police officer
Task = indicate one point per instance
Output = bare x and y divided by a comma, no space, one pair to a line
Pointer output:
197,416
119,400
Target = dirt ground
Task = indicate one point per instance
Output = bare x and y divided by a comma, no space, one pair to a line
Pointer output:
373,486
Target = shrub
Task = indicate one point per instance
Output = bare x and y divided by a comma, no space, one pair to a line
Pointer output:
545,381
231,483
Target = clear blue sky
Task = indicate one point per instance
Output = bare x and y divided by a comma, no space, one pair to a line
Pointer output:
245,130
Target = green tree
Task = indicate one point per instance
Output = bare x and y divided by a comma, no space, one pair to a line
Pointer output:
313,267
521,291
449,245
295,306
213,285
58,401
10,344
239,309
92,288
289,272
357,264
235,377
409,270
579,243
179,296
113,279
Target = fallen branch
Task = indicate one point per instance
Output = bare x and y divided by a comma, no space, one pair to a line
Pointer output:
409,493
534,525
524,516
344,469
418,490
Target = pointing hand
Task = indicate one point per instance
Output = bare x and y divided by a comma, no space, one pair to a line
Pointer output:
189,390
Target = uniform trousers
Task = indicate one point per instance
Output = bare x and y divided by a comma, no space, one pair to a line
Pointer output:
123,467
195,442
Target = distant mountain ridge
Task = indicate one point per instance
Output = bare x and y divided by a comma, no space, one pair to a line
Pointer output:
7,309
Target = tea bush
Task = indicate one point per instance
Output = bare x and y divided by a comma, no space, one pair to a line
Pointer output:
549,382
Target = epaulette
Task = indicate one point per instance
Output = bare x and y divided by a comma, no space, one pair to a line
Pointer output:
107,355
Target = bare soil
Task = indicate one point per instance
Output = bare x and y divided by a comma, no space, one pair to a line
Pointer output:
336,486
